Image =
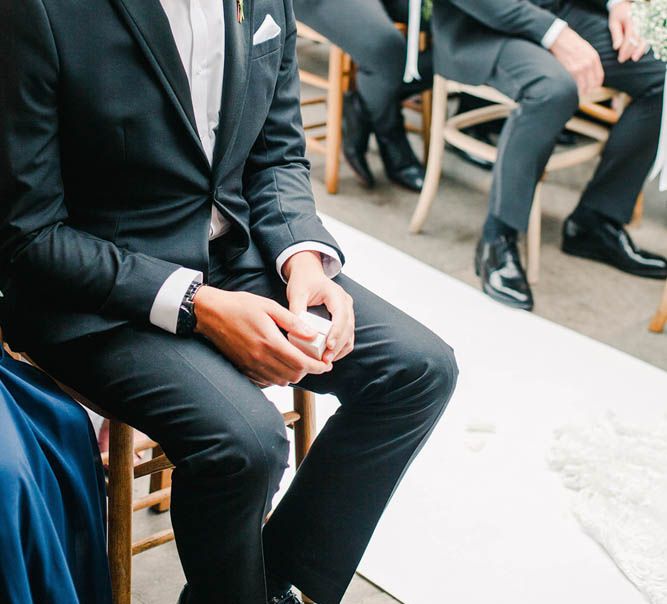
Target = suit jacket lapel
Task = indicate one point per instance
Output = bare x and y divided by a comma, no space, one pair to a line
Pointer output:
238,49
150,26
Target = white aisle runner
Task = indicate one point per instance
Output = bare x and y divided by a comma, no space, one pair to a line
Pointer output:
480,518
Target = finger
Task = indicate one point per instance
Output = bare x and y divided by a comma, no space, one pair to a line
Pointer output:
342,328
290,322
640,52
257,380
347,349
582,85
296,359
298,300
629,45
599,73
616,31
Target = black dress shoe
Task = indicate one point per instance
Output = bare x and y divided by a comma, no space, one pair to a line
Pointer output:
184,597
610,243
498,265
400,162
287,598
356,132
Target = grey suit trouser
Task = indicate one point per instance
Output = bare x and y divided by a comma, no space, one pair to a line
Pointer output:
547,97
366,31
228,443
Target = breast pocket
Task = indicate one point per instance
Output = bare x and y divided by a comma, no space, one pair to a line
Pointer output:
266,47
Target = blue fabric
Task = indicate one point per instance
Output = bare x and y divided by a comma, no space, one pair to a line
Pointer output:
52,497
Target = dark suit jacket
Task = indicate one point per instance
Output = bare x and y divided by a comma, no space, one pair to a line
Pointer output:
105,189
469,34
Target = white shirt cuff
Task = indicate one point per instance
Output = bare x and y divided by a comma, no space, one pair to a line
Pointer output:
330,259
167,303
553,32
612,3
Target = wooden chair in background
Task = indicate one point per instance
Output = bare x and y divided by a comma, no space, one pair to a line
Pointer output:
326,137
334,85
450,131
660,319
123,472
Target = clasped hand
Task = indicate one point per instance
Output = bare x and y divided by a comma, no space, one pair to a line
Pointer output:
246,328
583,62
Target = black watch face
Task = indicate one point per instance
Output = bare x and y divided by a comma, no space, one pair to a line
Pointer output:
186,320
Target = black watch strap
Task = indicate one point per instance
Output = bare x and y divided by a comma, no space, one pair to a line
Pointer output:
187,321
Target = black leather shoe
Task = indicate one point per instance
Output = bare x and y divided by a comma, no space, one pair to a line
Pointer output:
287,598
611,244
498,265
356,132
400,162
184,597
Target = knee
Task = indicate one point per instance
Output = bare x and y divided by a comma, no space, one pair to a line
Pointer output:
430,368
558,90
387,53
251,450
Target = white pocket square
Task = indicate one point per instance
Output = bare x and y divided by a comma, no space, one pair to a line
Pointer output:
268,30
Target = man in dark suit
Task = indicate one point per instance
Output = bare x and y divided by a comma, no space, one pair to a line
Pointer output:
155,202
545,54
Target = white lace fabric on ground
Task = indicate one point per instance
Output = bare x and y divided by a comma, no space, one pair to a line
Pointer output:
618,475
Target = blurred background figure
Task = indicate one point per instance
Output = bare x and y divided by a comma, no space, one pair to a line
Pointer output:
546,54
366,30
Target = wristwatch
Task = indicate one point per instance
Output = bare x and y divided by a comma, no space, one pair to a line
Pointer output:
187,321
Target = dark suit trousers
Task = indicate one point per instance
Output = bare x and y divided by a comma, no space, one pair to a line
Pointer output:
547,97
366,31
229,446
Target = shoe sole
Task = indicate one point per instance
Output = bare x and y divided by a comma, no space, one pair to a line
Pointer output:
596,258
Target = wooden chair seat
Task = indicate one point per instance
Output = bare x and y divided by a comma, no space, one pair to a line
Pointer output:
450,130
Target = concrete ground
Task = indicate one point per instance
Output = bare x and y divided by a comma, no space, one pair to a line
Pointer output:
592,299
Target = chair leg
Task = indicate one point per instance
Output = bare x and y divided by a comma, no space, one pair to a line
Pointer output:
534,236
121,477
638,212
334,120
660,319
427,111
436,151
305,428
304,435
159,481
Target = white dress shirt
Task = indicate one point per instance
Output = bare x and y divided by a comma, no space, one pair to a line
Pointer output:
198,28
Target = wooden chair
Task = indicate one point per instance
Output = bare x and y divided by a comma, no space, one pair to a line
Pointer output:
123,472
327,143
450,130
660,319
326,137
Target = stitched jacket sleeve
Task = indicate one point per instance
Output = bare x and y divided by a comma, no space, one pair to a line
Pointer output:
276,177
514,17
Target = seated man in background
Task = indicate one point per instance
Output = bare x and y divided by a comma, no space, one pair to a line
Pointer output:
546,54
156,222
367,32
